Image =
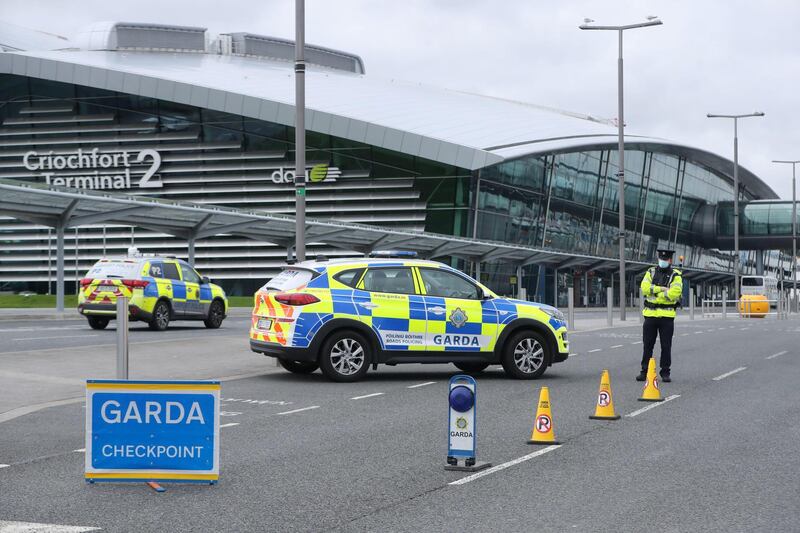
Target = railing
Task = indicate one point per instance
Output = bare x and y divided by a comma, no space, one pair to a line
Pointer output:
778,308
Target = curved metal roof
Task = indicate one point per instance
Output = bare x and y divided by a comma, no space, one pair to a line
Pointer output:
452,127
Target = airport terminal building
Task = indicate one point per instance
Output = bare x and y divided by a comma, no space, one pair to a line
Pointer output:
176,113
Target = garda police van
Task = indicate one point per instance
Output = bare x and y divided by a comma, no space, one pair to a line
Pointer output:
344,315
159,289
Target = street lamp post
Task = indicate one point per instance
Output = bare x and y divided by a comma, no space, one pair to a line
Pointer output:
652,21
736,191
794,227
300,131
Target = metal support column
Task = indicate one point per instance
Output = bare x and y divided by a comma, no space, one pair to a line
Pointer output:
122,337
300,129
519,282
191,250
60,268
610,305
691,303
724,303
555,287
570,308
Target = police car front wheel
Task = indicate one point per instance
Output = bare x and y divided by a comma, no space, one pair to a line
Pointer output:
345,356
526,355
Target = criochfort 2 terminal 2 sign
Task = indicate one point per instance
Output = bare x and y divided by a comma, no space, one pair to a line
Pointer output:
99,170
93,169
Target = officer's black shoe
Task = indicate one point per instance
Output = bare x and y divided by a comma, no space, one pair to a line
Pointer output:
665,377
642,376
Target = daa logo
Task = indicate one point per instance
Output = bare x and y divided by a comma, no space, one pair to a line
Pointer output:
317,174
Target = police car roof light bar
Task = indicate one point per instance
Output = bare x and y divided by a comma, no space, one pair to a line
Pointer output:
393,254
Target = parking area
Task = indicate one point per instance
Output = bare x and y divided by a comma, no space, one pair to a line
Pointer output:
300,453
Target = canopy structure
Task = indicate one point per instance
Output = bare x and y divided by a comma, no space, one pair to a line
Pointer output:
62,209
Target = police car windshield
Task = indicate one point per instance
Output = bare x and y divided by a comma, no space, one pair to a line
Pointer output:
752,282
291,278
114,269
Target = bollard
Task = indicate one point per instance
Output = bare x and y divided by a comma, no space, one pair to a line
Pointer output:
570,308
725,303
461,428
122,337
610,305
641,305
691,303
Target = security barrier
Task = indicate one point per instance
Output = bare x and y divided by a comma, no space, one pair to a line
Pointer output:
748,306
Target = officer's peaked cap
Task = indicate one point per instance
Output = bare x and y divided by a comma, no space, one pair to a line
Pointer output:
663,253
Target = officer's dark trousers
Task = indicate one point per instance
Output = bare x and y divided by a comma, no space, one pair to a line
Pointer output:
664,328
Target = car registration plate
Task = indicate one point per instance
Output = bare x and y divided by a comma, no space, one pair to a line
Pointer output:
264,323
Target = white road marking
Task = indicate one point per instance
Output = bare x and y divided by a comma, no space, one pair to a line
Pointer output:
299,410
503,466
30,527
617,346
637,342
698,332
41,329
56,337
2,465
229,413
773,356
367,396
573,355
732,372
80,450
595,350
745,329
684,334
421,385
231,424
654,405
720,329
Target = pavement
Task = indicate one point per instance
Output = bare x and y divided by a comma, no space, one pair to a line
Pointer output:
300,453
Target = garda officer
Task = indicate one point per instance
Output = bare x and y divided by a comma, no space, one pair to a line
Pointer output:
662,288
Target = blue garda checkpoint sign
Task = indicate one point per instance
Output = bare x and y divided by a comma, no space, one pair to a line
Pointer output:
152,431
461,430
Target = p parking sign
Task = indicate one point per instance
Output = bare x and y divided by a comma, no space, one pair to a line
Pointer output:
152,431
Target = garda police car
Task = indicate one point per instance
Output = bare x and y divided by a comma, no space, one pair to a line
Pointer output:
159,289
344,315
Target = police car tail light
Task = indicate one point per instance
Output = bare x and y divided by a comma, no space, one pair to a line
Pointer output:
295,298
135,283
86,281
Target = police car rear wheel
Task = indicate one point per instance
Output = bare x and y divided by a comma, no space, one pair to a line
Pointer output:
472,367
97,322
160,319
298,367
526,355
345,356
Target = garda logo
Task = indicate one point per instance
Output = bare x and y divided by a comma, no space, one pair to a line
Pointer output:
461,422
458,317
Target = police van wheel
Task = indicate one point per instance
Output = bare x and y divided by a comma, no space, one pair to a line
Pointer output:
298,367
97,322
160,319
470,368
216,314
345,356
526,355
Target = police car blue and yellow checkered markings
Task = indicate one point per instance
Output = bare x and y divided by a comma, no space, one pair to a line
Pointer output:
306,327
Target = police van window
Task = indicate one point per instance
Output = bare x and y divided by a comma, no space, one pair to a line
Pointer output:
396,280
171,270
189,275
443,283
349,277
114,269
752,282
291,278
156,269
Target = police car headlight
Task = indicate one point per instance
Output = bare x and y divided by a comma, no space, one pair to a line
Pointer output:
555,313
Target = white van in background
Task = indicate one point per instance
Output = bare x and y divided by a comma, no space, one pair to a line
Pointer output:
764,285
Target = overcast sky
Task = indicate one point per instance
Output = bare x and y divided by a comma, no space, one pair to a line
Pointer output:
719,56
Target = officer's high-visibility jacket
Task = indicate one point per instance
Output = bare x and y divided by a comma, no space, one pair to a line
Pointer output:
658,303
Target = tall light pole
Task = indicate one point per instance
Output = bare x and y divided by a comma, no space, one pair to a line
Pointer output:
651,21
300,130
736,190
794,226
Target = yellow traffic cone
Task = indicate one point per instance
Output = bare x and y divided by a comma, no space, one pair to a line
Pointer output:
651,393
543,432
605,402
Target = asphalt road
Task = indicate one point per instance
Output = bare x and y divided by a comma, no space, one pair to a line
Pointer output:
309,455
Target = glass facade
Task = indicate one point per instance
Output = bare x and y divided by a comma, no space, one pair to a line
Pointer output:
565,202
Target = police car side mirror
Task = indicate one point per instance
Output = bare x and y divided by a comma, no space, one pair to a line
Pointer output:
485,295
205,280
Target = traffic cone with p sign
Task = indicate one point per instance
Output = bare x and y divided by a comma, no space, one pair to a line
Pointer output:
605,402
543,432
651,392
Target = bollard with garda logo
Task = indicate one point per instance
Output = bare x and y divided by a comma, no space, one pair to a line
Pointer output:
461,429
543,432
651,392
605,401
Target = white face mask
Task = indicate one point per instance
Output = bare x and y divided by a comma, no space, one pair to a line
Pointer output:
662,263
